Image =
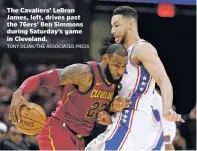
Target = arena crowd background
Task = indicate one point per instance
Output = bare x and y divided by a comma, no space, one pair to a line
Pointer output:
174,38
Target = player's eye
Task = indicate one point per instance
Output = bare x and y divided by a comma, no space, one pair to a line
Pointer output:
116,65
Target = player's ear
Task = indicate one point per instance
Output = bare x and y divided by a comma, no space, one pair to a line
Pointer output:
131,22
105,59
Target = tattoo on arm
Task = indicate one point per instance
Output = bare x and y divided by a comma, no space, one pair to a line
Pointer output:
75,74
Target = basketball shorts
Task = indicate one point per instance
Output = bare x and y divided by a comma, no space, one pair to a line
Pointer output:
130,130
57,136
169,130
156,138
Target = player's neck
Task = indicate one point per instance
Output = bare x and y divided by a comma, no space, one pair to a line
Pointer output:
102,66
131,39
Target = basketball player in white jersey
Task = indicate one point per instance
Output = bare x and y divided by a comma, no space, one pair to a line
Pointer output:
169,127
131,128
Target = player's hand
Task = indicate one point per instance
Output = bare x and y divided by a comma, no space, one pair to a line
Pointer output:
104,118
119,104
171,115
17,101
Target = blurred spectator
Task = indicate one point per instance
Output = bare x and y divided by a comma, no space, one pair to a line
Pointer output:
192,114
14,141
3,108
47,98
179,141
188,130
31,142
6,116
41,68
52,66
3,131
40,96
5,93
13,3
18,3
8,72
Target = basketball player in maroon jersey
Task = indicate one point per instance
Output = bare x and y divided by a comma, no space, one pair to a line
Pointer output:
89,89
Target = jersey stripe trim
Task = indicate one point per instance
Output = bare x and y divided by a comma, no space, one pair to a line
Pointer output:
51,139
148,86
67,97
128,131
116,128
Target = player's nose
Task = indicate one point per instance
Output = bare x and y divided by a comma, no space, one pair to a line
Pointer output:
120,71
112,31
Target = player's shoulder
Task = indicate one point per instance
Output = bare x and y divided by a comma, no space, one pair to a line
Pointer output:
144,46
77,73
77,69
145,49
80,66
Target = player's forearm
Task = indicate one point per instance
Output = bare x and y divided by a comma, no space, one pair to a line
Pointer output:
167,93
49,78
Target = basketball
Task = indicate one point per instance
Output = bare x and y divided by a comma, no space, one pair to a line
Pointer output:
32,119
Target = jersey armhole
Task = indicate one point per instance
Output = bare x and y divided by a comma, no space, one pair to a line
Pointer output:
130,61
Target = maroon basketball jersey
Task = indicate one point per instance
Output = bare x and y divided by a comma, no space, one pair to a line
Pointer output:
79,110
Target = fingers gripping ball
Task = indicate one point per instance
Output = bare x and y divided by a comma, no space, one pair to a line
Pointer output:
32,119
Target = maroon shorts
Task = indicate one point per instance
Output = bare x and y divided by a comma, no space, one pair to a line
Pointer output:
57,136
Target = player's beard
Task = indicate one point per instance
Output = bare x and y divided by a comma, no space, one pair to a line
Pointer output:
123,37
109,76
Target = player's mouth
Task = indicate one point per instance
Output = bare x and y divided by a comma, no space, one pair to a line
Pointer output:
117,77
116,38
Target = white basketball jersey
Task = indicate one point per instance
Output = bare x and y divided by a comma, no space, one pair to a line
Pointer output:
137,84
169,128
157,102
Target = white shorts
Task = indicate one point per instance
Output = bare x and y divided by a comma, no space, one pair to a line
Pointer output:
156,139
130,131
169,129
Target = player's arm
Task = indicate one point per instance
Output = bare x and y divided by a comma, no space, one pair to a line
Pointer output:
74,74
78,74
148,56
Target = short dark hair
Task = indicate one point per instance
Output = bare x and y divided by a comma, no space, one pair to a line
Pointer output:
110,47
118,49
105,44
126,11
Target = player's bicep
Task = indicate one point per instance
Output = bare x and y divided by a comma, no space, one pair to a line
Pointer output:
67,75
155,68
74,74
152,63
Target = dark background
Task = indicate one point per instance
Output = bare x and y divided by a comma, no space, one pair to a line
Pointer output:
174,39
